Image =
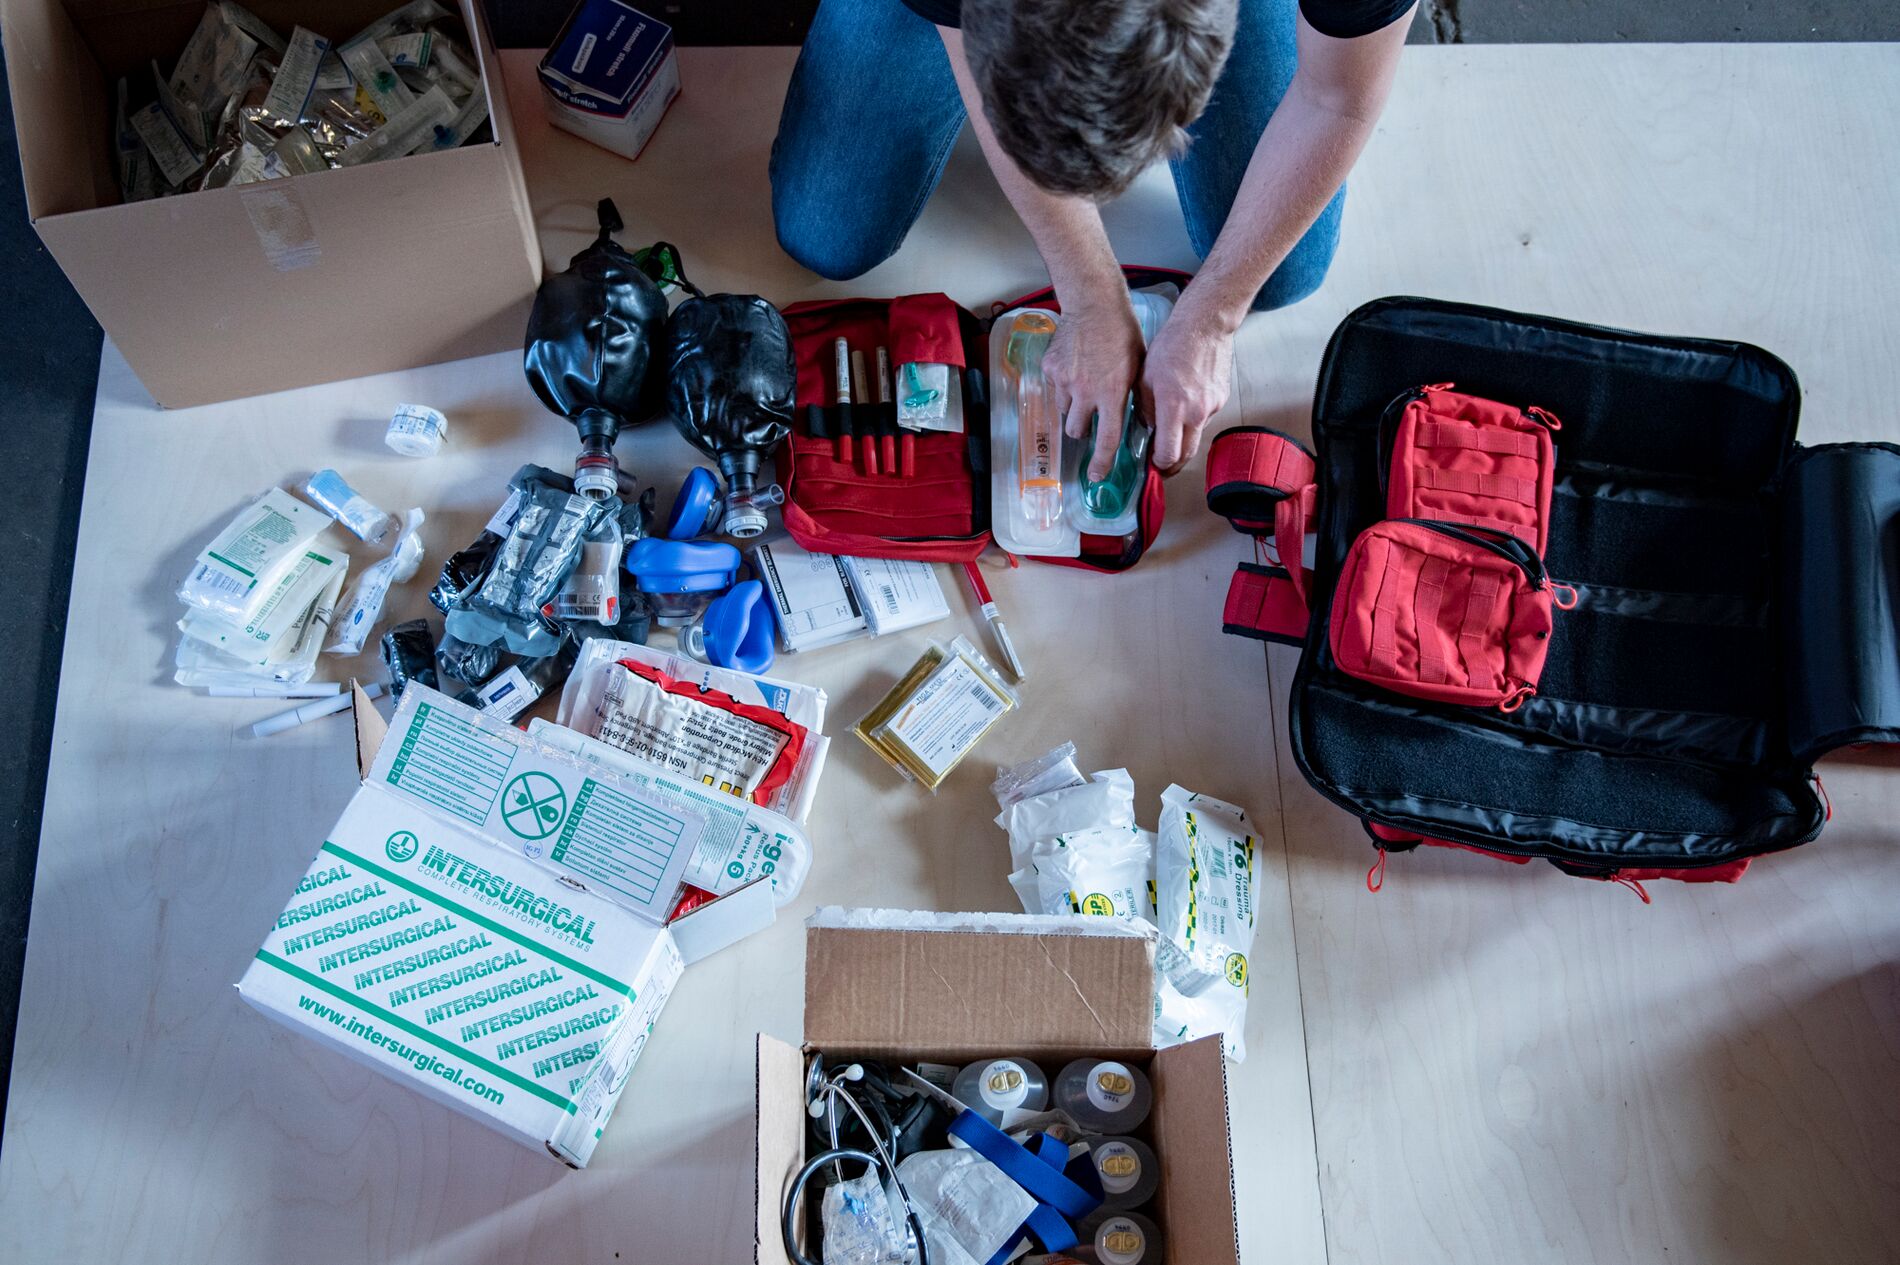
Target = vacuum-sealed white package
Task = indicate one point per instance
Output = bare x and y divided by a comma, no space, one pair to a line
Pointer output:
272,629
1106,799
1204,860
1107,872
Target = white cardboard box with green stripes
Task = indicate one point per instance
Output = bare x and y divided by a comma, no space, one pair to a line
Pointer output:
487,923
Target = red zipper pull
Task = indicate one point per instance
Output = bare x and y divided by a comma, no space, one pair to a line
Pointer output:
1375,877
1515,699
1633,884
1558,601
1430,387
1539,414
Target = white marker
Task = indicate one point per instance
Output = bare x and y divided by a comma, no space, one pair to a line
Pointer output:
316,689
308,712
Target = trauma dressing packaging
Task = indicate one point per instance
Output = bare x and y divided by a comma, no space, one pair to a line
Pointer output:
446,935
1204,875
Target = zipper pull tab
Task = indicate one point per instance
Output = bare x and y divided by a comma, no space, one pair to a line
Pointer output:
1436,386
1544,417
1515,699
1557,592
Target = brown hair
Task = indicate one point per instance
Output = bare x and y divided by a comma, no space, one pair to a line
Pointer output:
1085,94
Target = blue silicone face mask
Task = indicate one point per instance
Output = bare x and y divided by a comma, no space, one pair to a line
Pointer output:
735,632
681,576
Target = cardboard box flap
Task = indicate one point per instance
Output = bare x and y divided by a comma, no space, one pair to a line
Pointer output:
1045,987
371,729
778,1141
1190,1128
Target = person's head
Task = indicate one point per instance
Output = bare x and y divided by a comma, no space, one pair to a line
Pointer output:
1085,94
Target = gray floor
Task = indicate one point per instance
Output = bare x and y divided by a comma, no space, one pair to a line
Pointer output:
48,370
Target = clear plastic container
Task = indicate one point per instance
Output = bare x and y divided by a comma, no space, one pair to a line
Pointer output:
1103,1095
991,1087
1128,1170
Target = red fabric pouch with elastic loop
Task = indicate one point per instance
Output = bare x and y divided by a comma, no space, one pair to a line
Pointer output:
1451,612
1469,460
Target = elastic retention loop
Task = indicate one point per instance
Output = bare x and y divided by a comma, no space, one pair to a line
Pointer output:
1633,884
1557,592
1515,699
1375,877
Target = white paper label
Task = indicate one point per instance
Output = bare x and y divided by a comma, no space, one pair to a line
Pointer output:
1111,1087
508,694
503,518
947,714
1118,1166
1003,1084
175,159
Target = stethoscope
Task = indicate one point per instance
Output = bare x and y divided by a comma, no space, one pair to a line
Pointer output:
824,1095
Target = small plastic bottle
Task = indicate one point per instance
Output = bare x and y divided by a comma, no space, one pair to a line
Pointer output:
1104,1096
991,1087
1128,1171
1119,1238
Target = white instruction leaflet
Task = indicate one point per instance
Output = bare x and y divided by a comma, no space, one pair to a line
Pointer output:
578,820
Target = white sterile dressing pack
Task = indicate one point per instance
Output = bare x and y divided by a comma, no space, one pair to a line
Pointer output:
276,626
234,571
1204,860
485,923
742,841
1108,871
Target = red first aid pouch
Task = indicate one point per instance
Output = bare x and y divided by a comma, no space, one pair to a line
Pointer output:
1469,460
1452,612
858,485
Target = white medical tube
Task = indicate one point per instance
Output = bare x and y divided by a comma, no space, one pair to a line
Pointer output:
316,689
308,712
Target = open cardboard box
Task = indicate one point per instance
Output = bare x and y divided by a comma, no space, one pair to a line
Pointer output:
431,940
283,283
1014,986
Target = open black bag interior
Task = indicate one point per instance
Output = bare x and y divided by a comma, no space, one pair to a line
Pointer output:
1723,576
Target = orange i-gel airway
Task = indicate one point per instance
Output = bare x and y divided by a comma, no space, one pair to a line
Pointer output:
1038,481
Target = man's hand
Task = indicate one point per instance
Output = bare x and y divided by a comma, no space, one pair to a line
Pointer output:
1092,364
1185,381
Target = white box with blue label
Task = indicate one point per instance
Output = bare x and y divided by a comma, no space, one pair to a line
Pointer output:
487,923
609,75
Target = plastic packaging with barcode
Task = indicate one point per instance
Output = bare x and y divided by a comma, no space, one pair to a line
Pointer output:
941,708
234,573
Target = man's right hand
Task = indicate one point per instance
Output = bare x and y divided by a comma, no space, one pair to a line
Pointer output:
1093,362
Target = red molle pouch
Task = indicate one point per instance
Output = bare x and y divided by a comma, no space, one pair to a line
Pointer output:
1445,611
1465,459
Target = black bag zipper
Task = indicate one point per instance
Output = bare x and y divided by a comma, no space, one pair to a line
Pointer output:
1502,543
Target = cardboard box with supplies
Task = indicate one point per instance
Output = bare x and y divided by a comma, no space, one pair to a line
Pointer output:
487,922
254,287
908,988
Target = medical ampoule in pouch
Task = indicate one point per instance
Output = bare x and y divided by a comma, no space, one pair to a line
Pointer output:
992,1088
1104,1095
1128,1170
1118,1238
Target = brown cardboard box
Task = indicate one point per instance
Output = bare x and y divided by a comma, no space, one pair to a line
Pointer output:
278,284
952,996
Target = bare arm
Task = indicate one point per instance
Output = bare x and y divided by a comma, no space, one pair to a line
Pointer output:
1096,356
1303,157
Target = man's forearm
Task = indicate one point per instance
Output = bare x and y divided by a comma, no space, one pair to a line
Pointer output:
1301,160
1067,230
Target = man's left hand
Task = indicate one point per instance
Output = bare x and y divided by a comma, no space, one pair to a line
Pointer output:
1185,380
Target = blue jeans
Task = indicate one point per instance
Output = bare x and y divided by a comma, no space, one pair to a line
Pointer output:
872,112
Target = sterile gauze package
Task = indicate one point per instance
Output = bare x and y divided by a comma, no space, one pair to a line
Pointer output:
1204,863
236,570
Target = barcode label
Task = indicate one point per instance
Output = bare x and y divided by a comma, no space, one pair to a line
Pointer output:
217,581
889,595
983,694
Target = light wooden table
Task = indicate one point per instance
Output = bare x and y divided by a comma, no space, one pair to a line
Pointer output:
1475,1065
